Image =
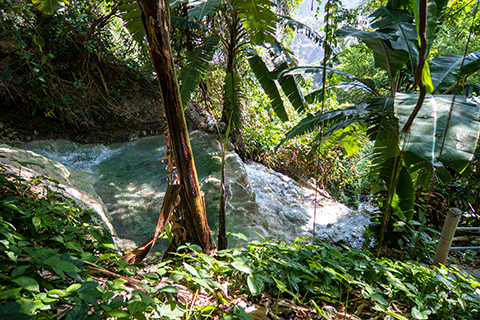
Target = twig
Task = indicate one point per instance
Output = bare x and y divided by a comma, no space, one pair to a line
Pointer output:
94,267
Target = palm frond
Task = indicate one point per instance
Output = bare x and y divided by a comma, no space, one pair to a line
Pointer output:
258,19
300,28
197,63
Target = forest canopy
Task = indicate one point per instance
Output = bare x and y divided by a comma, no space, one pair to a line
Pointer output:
387,113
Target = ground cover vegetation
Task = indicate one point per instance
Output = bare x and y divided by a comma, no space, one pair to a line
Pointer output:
56,264
344,123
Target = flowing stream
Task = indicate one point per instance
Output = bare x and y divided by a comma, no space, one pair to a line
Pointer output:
130,178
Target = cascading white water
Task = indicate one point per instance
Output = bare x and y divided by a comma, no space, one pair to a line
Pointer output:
131,179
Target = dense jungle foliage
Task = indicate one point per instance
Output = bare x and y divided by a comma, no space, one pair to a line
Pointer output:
343,123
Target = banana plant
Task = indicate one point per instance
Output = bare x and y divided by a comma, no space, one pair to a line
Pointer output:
443,134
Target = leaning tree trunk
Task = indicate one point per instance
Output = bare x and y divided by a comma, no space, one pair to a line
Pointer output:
156,19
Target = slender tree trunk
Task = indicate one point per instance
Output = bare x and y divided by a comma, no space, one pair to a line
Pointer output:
233,113
156,19
232,24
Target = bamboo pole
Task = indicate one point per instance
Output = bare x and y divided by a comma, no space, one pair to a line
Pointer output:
448,231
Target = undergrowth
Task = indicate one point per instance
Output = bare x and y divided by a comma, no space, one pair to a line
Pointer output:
56,264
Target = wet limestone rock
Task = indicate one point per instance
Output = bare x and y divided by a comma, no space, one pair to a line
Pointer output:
28,165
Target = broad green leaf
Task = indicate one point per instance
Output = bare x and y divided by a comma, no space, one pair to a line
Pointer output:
73,287
117,313
191,270
19,271
202,8
255,284
417,314
11,294
438,137
198,62
49,6
67,266
432,15
268,85
241,266
445,70
398,24
427,78
169,289
78,312
27,283
385,56
290,88
132,15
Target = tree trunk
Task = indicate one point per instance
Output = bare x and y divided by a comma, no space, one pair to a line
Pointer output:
156,19
232,110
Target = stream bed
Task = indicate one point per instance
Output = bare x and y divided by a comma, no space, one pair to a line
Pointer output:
131,179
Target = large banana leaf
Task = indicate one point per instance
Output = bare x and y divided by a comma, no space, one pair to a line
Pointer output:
50,6
258,19
472,64
232,96
197,63
445,70
441,138
332,119
202,8
184,23
132,15
356,83
385,56
399,25
268,85
288,83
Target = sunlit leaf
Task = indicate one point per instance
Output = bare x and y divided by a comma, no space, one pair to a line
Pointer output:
445,131
49,6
